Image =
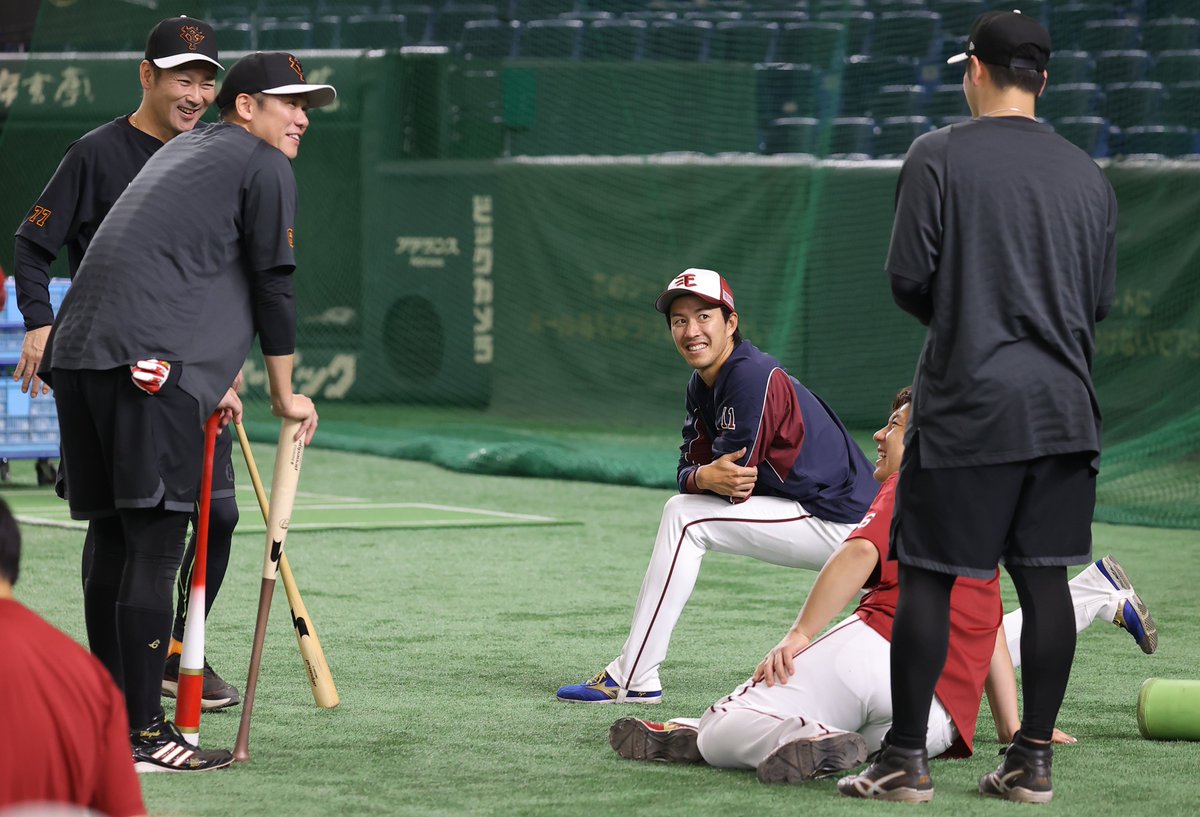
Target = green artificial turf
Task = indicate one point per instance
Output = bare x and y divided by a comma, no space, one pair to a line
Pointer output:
447,646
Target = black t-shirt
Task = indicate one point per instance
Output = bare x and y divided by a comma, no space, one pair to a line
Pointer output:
92,175
170,274
1007,232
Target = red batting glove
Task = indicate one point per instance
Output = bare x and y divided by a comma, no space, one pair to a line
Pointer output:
149,375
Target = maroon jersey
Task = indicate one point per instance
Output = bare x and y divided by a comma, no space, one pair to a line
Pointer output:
975,615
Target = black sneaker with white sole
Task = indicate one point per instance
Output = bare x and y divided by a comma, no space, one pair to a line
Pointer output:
670,742
1024,776
160,747
217,694
813,758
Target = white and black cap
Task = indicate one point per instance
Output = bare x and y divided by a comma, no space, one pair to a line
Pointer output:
1008,39
176,41
271,72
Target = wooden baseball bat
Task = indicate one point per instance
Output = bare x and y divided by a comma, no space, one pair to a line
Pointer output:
320,679
289,456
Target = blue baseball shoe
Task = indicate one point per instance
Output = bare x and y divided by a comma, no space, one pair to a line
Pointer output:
1133,615
602,689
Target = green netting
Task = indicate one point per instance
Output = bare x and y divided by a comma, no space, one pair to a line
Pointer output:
487,214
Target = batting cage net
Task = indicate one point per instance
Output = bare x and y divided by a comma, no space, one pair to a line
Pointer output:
501,189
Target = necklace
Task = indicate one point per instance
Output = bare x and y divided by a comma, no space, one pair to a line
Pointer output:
1000,110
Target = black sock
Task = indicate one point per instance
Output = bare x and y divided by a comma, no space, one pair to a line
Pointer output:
144,643
920,639
104,557
1047,645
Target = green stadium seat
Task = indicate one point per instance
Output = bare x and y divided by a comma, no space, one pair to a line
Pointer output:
1067,21
811,43
327,31
714,16
896,134
1068,67
526,10
894,6
851,137
679,40
375,31
449,20
793,134
551,39
1183,105
743,41
650,15
958,15
1070,99
417,20
228,13
614,39
1176,66
862,77
488,39
1088,133
946,101
781,16
822,6
786,91
1168,8
1171,34
858,24
898,101
1129,104
284,35
906,34
1034,8
1158,140
234,36
1109,35
1121,66
588,16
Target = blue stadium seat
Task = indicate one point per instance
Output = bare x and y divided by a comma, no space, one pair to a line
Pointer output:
488,39
1121,66
449,20
614,39
374,31
793,134
1129,104
743,41
858,24
896,133
1070,99
1110,35
906,34
551,39
1089,133
811,43
1171,34
680,40
1176,66
1158,140
852,137
898,101
284,35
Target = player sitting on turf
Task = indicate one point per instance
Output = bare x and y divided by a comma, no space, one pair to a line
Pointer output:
816,707
766,470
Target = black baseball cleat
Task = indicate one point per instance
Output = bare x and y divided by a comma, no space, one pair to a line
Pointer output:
217,693
894,774
160,747
636,739
1023,777
812,758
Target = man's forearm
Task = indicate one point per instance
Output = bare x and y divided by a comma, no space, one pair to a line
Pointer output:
279,380
836,586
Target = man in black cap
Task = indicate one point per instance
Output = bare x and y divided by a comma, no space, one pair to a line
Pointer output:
178,79
1004,246
192,261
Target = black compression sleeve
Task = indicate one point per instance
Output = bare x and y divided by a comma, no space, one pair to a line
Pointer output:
274,311
31,276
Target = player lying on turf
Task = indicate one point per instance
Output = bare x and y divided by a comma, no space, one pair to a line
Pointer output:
816,707
766,470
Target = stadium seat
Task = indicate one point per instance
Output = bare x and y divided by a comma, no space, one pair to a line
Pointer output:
851,137
1171,34
284,35
1176,66
1167,8
781,16
234,36
862,77
1068,67
1067,20
858,24
1129,104
787,91
418,19
283,10
327,31
616,6
374,31
896,133
1183,105
448,22
906,34
488,39
681,40
1070,99
958,15
898,101
713,16
1121,66
895,6
1089,133
551,39
526,10
229,13
793,134
1158,140
613,39
743,41
812,43
650,15
1109,35
946,101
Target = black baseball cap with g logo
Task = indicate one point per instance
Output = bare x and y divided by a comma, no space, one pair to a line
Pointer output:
271,72
1008,39
179,40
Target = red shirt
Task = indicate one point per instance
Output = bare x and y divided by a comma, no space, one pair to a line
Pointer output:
975,615
64,735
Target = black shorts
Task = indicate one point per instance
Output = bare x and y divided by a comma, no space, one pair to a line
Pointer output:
222,478
966,521
127,448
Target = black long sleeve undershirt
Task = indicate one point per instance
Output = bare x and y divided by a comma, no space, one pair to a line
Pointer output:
31,277
274,311
913,297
